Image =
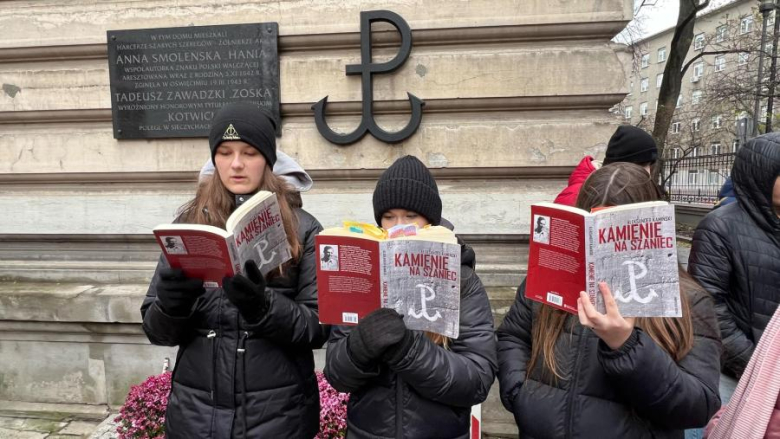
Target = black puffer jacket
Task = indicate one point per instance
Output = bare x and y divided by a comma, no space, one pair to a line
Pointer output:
430,391
635,392
274,376
736,253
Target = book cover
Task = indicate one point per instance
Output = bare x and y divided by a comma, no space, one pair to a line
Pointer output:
417,275
254,231
630,247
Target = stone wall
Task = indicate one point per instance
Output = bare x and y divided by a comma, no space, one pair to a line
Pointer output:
516,93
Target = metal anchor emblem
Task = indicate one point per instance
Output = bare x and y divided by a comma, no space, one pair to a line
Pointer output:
366,69
423,309
632,277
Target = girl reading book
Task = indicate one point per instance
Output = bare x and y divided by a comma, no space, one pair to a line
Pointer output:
412,384
245,366
605,375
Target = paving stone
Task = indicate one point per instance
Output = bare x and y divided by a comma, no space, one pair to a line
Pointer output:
79,428
42,425
106,429
11,423
65,436
6,433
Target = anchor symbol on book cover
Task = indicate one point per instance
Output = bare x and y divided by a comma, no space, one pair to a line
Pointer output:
632,278
261,248
427,294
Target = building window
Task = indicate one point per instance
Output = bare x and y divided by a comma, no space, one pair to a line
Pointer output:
693,176
720,33
734,145
696,97
643,85
676,128
742,58
643,109
720,63
715,148
746,25
675,153
698,42
698,71
714,177
715,122
695,151
679,101
659,79
662,54
696,124
645,60
627,112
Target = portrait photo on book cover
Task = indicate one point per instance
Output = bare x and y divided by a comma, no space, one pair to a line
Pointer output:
329,257
541,229
173,245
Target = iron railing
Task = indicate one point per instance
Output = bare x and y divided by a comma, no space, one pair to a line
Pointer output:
696,180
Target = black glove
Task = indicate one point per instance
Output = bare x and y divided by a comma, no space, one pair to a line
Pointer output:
379,332
176,293
247,293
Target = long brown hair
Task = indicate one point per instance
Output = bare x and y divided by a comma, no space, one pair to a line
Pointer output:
213,204
613,185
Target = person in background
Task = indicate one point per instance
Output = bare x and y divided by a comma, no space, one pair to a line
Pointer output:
605,375
628,144
413,384
726,194
736,255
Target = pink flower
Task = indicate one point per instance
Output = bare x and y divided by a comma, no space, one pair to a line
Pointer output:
143,414
333,410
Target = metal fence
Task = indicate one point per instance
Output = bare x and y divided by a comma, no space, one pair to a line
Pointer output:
696,179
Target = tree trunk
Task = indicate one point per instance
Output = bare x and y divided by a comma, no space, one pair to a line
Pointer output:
670,87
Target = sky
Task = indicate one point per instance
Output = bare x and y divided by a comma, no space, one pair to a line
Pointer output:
657,15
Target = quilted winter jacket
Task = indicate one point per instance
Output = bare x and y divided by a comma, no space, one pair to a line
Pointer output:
569,195
736,253
271,387
430,391
633,392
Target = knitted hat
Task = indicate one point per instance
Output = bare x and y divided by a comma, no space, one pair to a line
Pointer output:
631,144
408,184
245,122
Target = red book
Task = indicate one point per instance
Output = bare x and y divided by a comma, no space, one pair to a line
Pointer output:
417,275
254,231
630,247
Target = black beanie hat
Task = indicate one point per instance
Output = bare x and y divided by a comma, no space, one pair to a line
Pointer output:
245,122
408,184
631,144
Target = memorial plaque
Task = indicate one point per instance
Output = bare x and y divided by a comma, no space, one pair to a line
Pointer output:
170,82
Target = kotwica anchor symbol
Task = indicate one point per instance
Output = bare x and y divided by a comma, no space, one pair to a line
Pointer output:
423,313
632,277
261,250
366,69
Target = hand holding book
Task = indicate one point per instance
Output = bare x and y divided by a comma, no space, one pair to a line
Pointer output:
611,327
248,292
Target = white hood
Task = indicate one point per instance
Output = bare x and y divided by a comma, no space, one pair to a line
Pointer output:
285,167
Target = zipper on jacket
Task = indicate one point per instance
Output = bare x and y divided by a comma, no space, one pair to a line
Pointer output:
573,385
212,335
399,408
242,354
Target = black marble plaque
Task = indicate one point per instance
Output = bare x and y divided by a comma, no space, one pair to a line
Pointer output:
170,82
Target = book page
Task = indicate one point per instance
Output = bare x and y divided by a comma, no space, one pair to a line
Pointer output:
259,234
348,278
636,254
556,256
421,281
